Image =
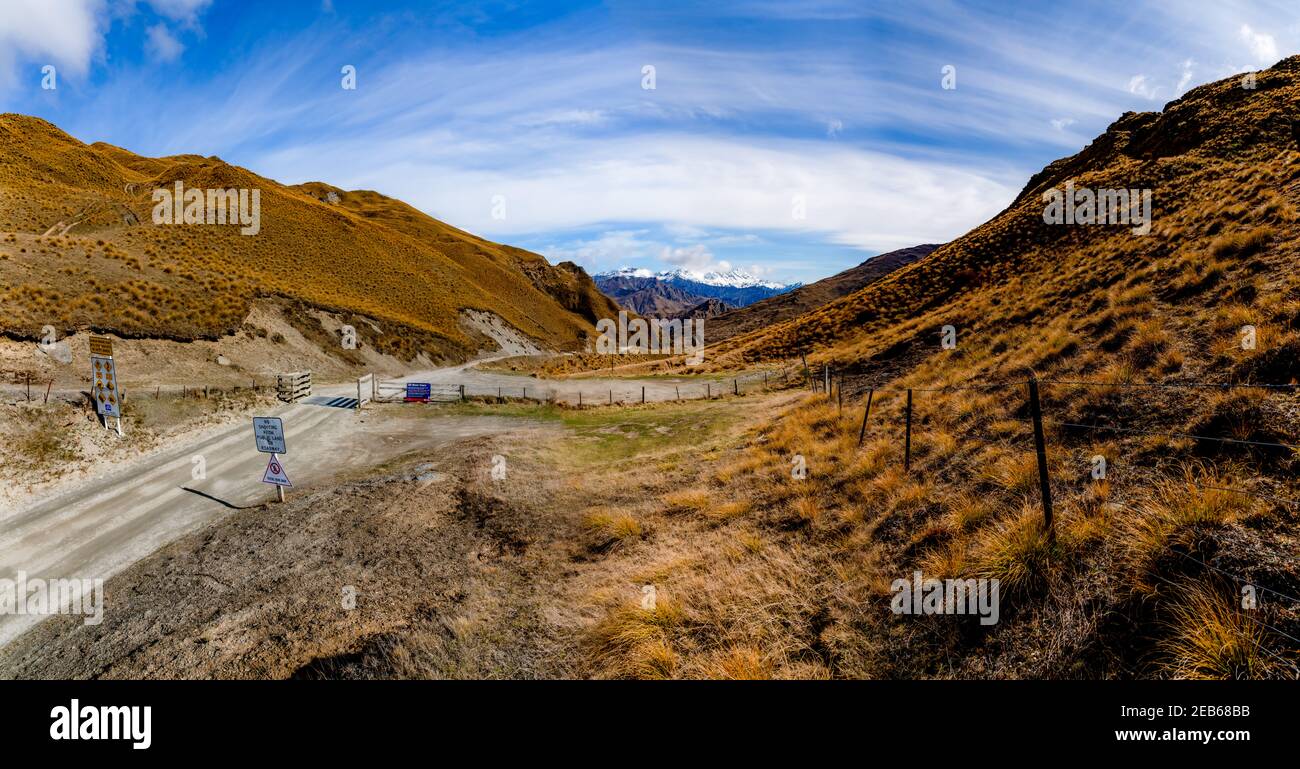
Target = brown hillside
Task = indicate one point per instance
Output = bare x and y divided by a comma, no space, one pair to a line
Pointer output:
1139,346
105,265
774,309
1221,163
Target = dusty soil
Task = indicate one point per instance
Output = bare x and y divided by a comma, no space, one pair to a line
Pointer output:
455,574
58,445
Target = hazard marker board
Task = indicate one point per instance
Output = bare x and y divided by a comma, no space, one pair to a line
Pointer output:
275,473
103,386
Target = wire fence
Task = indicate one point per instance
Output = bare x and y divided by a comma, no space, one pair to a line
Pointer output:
1037,425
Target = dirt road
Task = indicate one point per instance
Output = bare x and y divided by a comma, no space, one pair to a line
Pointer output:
96,530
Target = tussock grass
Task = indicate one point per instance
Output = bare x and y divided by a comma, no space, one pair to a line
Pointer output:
1211,638
612,528
1016,551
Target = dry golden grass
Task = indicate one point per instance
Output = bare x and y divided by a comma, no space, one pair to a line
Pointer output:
689,500
611,526
1016,551
1175,507
1212,638
633,642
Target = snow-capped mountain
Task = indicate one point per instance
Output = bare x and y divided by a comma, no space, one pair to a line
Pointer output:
731,278
664,293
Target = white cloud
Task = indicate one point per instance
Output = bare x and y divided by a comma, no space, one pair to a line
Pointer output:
1138,86
697,258
1062,123
1263,47
834,127
161,44
615,248
66,33
859,198
571,117
1188,68
179,10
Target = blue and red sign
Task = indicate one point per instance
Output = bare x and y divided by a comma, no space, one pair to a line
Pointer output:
418,392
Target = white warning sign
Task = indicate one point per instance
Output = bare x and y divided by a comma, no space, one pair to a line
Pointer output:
103,386
269,434
275,473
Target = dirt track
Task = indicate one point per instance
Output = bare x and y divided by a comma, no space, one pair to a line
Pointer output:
99,528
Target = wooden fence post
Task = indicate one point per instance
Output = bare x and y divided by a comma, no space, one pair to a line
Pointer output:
47,390
907,440
735,386
643,393
1040,448
839,392
708,389
863,432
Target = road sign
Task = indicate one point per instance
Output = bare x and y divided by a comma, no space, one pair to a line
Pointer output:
103,387
269,434
418,391
102,346
275,473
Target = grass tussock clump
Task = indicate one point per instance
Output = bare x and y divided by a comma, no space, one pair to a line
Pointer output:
1212,638
611,529
1175,511
1017,551
636,642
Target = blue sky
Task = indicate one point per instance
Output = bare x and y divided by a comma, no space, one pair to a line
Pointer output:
789,139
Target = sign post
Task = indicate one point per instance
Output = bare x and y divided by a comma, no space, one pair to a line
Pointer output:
275,474
103,383
268,433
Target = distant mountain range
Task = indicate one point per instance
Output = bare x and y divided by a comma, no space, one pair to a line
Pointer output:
685,293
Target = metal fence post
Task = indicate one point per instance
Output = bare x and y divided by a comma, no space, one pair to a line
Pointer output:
1040,448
